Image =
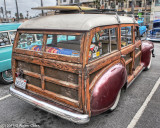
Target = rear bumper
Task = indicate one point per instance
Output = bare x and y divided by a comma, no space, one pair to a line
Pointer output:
40,103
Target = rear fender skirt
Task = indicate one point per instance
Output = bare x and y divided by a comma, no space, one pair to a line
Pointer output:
147,47
106,88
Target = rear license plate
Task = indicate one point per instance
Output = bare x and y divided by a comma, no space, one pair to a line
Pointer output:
21,83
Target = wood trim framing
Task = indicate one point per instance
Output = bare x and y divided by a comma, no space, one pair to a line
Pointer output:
50,32
54,96
100,63
128,61
69,67
60,82
138,54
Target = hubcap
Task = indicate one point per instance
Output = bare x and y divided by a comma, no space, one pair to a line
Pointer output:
7,75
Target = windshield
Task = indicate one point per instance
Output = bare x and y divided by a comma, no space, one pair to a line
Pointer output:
63,44
156,25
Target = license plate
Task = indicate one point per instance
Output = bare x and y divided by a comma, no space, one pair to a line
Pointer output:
21,83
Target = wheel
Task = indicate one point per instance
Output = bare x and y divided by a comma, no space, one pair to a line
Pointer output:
6,77
150,62
116,101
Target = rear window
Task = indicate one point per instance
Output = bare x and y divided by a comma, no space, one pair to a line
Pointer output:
30,41
55,44
63,44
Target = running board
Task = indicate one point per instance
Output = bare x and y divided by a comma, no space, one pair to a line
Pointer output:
135,77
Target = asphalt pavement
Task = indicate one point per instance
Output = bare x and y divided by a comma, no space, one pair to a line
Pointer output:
19,114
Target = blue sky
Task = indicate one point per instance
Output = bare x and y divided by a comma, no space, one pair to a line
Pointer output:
25,5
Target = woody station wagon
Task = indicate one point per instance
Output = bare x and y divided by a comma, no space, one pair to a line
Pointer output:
80,64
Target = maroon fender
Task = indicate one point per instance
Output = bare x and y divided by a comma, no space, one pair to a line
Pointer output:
147,47
107,87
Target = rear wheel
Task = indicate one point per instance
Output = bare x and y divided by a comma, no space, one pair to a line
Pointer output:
116,101
6,77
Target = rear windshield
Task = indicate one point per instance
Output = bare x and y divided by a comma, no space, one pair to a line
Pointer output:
55,43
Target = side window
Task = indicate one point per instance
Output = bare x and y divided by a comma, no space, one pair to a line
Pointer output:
30,42
4,39
103,42
126,36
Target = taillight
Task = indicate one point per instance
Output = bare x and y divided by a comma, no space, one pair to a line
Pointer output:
17,74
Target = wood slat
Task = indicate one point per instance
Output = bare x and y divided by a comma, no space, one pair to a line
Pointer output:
52,95
60,82
138,43
102,62
49,31
47,55
126,25
138,69
128,61
16,40
28,73
128,49
14,66
69,67
87,97
65,58
42,77
130,78
80,90
138,54
49,79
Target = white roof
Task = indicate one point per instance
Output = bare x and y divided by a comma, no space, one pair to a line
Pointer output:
80,22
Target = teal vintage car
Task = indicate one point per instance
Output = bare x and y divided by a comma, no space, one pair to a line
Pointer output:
7,35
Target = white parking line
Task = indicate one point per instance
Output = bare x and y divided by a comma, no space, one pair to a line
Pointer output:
4,97
141,110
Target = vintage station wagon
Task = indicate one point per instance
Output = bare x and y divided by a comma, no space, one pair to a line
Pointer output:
80,65
7,35
154,34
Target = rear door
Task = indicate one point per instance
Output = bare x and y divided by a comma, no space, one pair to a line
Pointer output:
127,48
51,65
131,50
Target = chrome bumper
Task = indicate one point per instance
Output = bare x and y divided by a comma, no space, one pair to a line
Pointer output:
74,117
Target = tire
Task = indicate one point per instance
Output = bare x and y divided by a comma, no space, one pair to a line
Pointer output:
149,65
6,77
116,101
